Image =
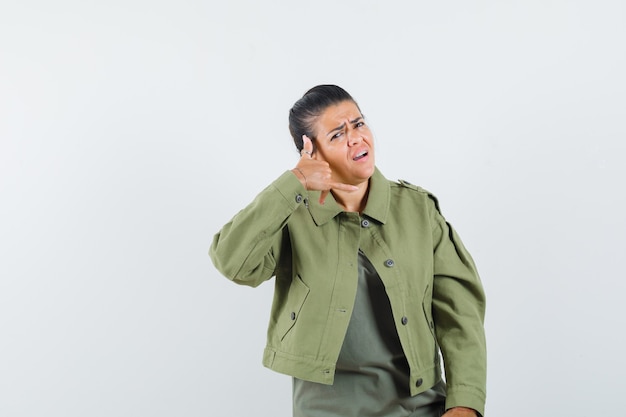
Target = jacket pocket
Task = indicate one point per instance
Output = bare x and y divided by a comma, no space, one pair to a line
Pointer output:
298,292
427,307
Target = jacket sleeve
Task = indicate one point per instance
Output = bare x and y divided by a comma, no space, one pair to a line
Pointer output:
248,247
458,311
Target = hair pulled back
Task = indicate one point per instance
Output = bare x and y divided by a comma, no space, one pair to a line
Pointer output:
312,104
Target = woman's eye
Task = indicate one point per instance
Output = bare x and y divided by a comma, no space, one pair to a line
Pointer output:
360,124
336,135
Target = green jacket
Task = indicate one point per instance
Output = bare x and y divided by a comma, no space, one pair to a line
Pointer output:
435,293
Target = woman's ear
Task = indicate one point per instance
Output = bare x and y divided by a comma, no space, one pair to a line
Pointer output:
314,152
313,146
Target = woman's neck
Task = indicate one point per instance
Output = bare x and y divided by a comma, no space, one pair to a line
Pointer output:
353,201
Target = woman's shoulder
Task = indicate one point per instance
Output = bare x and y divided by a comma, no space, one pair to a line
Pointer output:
411,186
404,186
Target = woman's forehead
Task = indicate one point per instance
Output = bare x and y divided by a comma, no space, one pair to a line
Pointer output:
340,112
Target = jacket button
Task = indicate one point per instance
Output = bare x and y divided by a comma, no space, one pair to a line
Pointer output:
293,315
299,198
365,223
419,382
404,320
389,263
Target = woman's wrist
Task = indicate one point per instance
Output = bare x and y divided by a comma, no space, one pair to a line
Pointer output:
298,173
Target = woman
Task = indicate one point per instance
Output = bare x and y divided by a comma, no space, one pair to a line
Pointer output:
371,281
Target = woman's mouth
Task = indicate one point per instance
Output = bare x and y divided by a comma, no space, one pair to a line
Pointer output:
360,155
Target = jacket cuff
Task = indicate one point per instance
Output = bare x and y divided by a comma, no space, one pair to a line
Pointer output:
290,187
466,397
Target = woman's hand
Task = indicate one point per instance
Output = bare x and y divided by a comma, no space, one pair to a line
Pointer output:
315,174
460,412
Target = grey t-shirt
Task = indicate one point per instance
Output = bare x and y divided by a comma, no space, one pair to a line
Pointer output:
372,374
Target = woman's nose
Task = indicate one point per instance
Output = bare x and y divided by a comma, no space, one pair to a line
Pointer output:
354,138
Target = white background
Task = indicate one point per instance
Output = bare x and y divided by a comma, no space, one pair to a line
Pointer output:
131,131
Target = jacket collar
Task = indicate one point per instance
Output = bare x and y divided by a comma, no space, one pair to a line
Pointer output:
377,206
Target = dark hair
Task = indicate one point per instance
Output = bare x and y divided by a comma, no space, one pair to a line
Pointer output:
313,103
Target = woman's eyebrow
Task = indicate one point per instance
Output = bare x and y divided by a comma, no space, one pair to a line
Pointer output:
337,129
344,125
356,120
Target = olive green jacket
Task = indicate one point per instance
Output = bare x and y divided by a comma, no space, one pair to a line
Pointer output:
435,293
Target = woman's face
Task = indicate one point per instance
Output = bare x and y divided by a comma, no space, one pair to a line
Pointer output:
345,142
